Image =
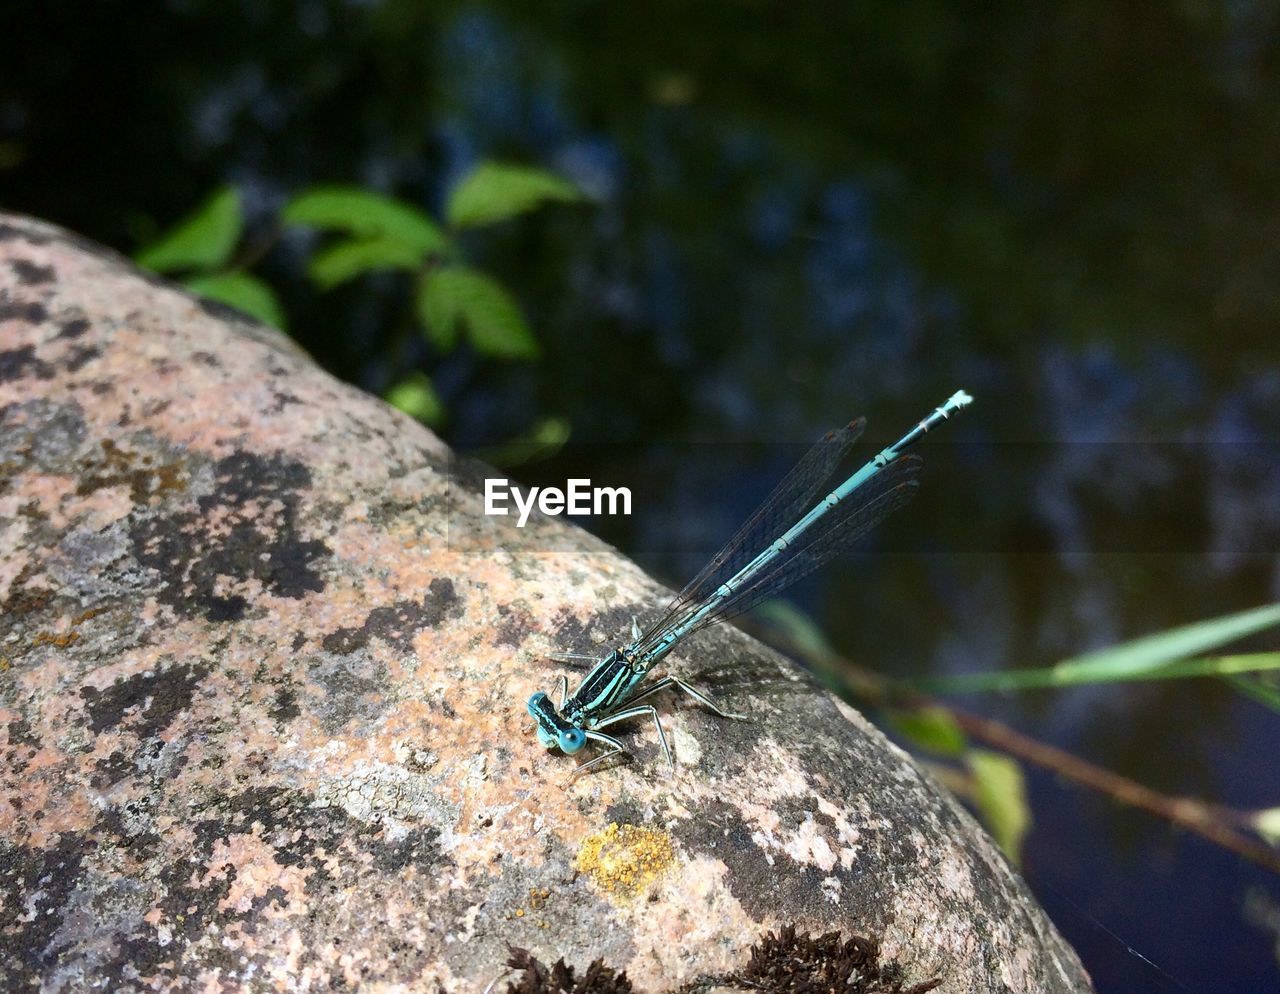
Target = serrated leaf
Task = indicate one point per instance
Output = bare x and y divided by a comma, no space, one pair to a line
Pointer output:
930,728
1000,794
417,397
244,293
203,240
347,260
494,192
1267,824
454,298
366,215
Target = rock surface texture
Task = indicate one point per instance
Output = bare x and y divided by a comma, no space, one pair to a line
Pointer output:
262,679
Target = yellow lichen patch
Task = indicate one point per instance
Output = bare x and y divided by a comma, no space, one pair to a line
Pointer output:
61,641
537,902
625,859
64,639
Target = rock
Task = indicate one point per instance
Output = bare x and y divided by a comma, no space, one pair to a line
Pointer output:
263,666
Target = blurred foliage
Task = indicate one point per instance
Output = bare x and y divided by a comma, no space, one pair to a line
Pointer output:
1267,824
199,249
240,290
999,793
343,261
931,729
495,192
376,233
1162,656
417,397
458,297
367,216
203,242
1086,170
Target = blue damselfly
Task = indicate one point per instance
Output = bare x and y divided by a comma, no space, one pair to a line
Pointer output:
763,557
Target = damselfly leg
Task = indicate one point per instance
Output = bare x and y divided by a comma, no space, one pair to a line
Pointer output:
697,695
616,749
635,710
652,712
571,657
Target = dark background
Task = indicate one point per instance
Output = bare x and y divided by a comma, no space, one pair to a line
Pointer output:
802,213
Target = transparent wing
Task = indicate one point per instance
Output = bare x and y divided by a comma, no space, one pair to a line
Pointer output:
822,543
798,491
828,536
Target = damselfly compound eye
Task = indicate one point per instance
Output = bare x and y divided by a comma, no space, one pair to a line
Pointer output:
572,739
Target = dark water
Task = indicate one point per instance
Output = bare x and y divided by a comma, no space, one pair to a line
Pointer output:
806,213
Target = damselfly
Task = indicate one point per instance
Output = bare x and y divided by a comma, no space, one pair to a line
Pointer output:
763,557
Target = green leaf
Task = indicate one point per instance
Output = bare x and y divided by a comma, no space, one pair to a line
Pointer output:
453,297
1150,653
366,214
347,260
1267,824
1162,656
1000,795
203,241
244,293
495,192
417,397
930,728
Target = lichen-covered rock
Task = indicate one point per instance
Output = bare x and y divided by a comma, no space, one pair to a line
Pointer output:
262,679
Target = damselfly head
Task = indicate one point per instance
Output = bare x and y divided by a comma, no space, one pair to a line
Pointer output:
553,730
